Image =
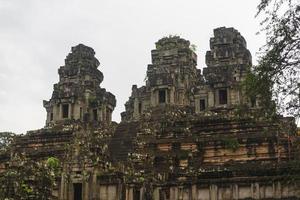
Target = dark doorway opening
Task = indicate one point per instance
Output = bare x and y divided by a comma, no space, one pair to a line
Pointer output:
162,96
140,108
81,113
223,96
95,114
65,110
77,191
51,116
253,102
202,104
136,194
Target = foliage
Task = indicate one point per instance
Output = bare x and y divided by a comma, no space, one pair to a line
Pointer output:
90,144
260,87
293,172
6,139
53,164
231,143
28,179
279,63
172,36
193,47
93,101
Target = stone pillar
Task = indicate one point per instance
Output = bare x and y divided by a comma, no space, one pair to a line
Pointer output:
94,186
70,191
56,113
235,192
278,190
142,191
197,104
229,96
60,112
154,97
194,192
119,191
211,99
76,111
213,192
255,194
173,193
112,192
104,113
129,193
86,190
62,187
73,110
69,111
156,193
273,190
172,95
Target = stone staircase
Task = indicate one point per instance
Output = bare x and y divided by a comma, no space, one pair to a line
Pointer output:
122,142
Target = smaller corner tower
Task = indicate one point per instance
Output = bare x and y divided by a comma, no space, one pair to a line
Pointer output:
78,95
228,61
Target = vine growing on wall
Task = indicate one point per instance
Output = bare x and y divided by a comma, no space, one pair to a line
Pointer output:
231,143
28,179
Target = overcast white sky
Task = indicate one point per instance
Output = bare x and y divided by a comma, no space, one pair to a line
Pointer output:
36,36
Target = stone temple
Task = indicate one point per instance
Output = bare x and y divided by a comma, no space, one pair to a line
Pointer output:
184,135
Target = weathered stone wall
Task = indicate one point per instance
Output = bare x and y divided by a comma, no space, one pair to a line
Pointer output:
209,191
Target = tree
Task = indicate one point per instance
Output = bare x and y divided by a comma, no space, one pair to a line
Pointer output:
278,71
28,179
6,139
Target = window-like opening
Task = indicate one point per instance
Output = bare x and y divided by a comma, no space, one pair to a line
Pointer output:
95,114
223,96
253,101
162,96
81,113
140,108
136,194
51,116
77,191
159,162
202,104
164,193
108,114
65,110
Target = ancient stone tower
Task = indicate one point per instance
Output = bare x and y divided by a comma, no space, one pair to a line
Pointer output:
78,95
228,61
170,77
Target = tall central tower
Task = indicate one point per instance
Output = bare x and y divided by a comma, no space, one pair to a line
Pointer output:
170,77
78,95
